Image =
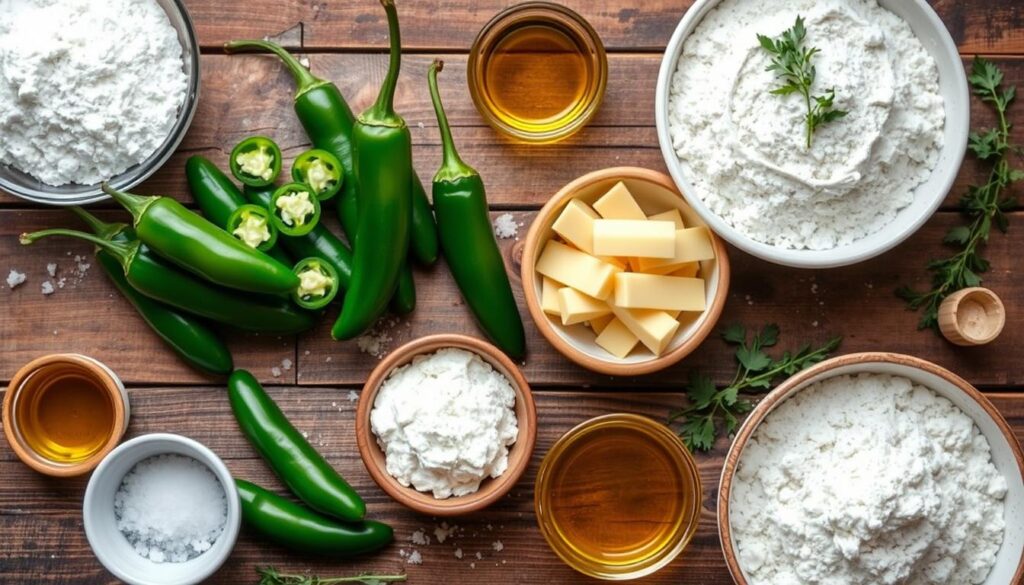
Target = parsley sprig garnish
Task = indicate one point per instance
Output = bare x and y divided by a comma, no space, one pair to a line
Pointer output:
270,576
792,64
983,205
756,371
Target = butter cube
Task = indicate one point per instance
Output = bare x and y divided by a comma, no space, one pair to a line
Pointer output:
667,293
691,245
549,296
629,237
654,328
672,215
576,225
617,339
618,203
576,307
599,323
577,270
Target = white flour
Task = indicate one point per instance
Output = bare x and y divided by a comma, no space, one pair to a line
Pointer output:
88,88
445,422
744,150
867,480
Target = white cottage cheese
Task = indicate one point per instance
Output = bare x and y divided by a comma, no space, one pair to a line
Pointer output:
867,480
744,150
88,88
445,422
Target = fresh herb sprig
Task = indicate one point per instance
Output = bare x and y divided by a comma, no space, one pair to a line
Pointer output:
270,576
756,372
792,64
983,205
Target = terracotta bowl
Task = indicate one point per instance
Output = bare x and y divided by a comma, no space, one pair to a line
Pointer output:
655,192
492,489
1006,451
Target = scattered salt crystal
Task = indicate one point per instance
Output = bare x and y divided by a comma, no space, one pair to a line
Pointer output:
375,341
15,278
505,226
420,125
328,359
419,537
472,565
286,364
479,555
814,323
498,546
305,352
352,396
814,288
47,287
61,282
170,508
415,558
51,269
55,332
275,371
334,404
458,553
305,435
304,61
442,532
402,553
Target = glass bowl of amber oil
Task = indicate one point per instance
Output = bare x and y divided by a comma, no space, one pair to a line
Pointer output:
537,72
63,413
618,497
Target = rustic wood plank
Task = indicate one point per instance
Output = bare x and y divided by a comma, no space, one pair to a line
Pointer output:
42,520
976,25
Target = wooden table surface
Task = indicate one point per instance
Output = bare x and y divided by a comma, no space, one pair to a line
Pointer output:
40,518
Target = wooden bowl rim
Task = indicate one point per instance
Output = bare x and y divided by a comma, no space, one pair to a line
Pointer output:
610,367
792,385
491,489
108,381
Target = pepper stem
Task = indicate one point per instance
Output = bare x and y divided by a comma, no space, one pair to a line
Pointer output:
452,165
99,227
304,80
382,112
123,252
135,204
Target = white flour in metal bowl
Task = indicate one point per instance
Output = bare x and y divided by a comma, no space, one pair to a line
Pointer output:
744,150
867,480
88,88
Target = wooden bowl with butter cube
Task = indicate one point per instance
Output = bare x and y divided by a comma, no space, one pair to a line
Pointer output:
621,275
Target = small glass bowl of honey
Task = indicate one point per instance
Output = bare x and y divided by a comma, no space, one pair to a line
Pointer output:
618,497
63,413
537,72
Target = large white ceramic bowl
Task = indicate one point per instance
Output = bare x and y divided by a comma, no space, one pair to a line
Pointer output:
928,196
1006,451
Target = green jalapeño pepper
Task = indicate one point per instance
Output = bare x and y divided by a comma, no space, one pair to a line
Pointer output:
298,528
320,170
292,458
151,276
188,336
383,162
294,209
256,161
252,224
423,237
467,239
318,283
195,244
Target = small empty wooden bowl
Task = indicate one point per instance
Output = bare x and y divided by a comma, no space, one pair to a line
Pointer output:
491,489
972,316
655,193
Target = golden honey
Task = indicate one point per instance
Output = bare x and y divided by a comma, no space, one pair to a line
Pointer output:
537,72
66,420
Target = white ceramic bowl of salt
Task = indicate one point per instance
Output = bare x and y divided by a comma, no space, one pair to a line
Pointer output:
112,547
930,30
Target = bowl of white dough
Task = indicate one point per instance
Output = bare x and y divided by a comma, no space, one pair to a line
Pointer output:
92,92
874,468
833,164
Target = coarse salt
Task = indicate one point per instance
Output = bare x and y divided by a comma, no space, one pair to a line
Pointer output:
14,278
505,226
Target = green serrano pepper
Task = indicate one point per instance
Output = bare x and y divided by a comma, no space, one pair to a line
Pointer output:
150,275
189,337
193,243
298,528
383,163
467,239
293,459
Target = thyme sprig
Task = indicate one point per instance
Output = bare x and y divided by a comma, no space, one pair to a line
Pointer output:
756,372
270,576
983,205
792,64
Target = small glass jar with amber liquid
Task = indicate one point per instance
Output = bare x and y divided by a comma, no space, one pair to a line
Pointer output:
537,72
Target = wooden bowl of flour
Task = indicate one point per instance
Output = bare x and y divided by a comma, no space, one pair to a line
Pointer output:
1006,454
491,489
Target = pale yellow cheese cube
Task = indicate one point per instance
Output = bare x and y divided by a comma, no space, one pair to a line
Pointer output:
620,263
549,296
667,293
672,215
617,339
688,270
599,323
654,328
691,245
618,203
577,270
576,307
630,237
576,225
